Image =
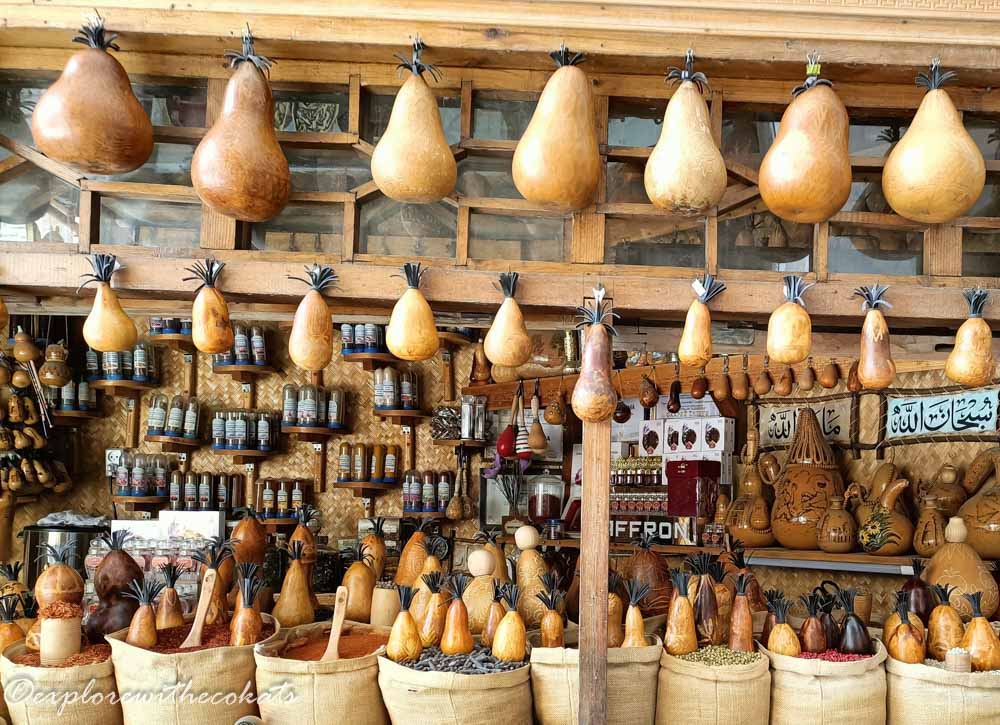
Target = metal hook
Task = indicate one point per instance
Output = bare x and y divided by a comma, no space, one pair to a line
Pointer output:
725,364
746,361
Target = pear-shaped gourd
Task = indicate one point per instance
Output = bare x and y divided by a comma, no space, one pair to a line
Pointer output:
789,329
936,172
310,344
411,333
971,360
594,399
239,168
507,342
211,330
107,327
695,347
805,176
89,118
557,162
686,173
876,369
412,162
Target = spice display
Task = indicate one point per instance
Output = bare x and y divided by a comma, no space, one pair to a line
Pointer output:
107,328
352,644
556,162
294,605
509,639
507,342
404,639
310,342
594,399
832,655
92,654
695,346
805,176
412,333
719,656
216,635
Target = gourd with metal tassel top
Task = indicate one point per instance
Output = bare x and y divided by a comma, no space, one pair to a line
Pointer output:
971,360
594,398
310,343
876,369
211,330
507,342
107,327
789,329
411,333
695,347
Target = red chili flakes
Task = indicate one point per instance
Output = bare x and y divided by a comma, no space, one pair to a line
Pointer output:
832,655
60,610
349,647
168,641
89,655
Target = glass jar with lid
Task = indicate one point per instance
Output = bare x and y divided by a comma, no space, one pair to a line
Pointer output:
111,364
258,345
138,484
140,362
126,356
345,460
377,467
359,466
219,430
335,409
391,473
545,498
320,408
241,344
68,395
409,397
307,413
347,338
191,417
152,364
289,404
93,364
175,417
264,431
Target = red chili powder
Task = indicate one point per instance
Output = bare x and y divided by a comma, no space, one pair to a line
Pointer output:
60,610
92,654
350,646
832,655
168,641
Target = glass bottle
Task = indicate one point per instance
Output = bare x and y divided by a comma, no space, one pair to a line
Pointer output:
139,476
156,325
218,430
111,363
68,395
444,487
186,326
346,338
378,388
191,417
258,346
391,393
175,417
93,397
263,432
176,491
335,409
289,404
241,344
359,338
408,390
359,467
126,364
307,406
251,419
297,498
268,500
377,467
282,499
371,341
320,407
152,364
171,325
93,364
344,463
83,394
236,491
240,440
52,397
156,421
160,484
205,492
428,492
140,362
123,475
391,472
222,502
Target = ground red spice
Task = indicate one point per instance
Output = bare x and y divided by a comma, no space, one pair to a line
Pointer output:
350,646
92,654
832,655
60,610
168,641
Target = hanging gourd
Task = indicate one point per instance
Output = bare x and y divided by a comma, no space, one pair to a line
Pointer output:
89,118
107,327
507,342
413,162
876,370
789,329
686,173
310,343
971,360
594,399
936,172
411,333
211,330
557,162
805,176
239,168
695,347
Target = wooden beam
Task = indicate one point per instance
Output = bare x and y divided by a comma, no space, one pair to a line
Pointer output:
141,190
462,236
12,167
351,228
66,173
594,574
466,111
712,243
90,220
821,250
943,250
354,105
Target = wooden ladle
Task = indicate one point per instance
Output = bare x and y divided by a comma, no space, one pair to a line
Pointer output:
339,610
207,587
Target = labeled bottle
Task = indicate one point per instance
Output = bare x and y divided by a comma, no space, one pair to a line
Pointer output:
156,421
408,394
186,326
52,397
123,475
160,483
139,476
371,340
222,502
297,498
258,346
289,404
391,472
344,463
111,363
428,494
359,338
263,432
377,467
320,407
268,500
444,490
241,344
83,394
346,338
140,362
171,325
390,392
176,488
307,409
68,396
175,417
155,325
219,430
335,409
231,430
152,365
282,499
205,492
359,468
93,364
127,364
191,417
240,433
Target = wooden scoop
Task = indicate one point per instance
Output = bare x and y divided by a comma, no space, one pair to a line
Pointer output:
207,586
339,610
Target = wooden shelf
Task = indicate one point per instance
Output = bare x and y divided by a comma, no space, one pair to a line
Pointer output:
276,524
123,388
142,502
401,417
174,341
423,515
453,339
175,444
371,360
460,443
366,489
73,418
243,456
243,373
313,435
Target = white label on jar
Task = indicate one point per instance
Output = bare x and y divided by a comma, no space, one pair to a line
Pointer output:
242,346
264,430
190,423
268,498
288,409
390,464
221,494
282,499
240,429
307,409
230,427
191,492
257,343
176,419
127,359
296,498
175,491
345,464
218,427
333,410
157,418
139,358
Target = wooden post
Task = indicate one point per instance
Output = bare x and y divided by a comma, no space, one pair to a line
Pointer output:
594,574
319,448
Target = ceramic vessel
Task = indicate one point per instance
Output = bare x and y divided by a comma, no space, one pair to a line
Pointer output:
928,536
945,490
957,563
982,511
749,517
862,499
837,529
887,532
807,482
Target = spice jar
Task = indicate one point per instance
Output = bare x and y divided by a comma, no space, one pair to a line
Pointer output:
264,432
359,338
92,364
186,326
123,476
378,388
222,502
371,339
138,484
190,492
346,338
320,408
335,410
258,346
52,397
127,364
240,440
218,430
545,498
391,473
377,468
171,326
344,463
175,417
428,492
408,391
67,394
289,404
282,499
444,489
359,466
111,364
268,500
241,344
160,485
140,362
297,498
307,407
176,491
205,493
152,364
191,417
155,325
390,389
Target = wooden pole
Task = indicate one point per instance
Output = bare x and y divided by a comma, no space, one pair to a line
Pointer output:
594,574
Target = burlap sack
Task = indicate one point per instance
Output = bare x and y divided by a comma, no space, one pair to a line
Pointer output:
86,694
441,698
348,688
632,672
207,687
696,694
827,693
922,695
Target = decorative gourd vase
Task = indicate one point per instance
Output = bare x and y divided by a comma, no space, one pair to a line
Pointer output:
54,372
957,563
837,529
749,516
982,511
946,491
865,497
928,536
887,532
807,482
385,606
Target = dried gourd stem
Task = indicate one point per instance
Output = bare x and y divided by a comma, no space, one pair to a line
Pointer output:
92,35
262,63
599,313
676,75
812,75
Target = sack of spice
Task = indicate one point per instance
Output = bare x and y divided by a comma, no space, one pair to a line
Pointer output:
714,686
56,693
199,686
925,695
426,698
348,686
828,693
632,672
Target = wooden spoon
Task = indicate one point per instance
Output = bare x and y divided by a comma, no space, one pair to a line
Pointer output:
339,610
207,586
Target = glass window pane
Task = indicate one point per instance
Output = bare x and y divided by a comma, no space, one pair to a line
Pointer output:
500,116
981,253
747,135
867,196
656,241
865,250
626,182
378,108
486,176
763,241
312,111
986,133
17,102
173,105
302,228
407,230
875,136
634,122
327,169
497,236
170,163
38,207
143,223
